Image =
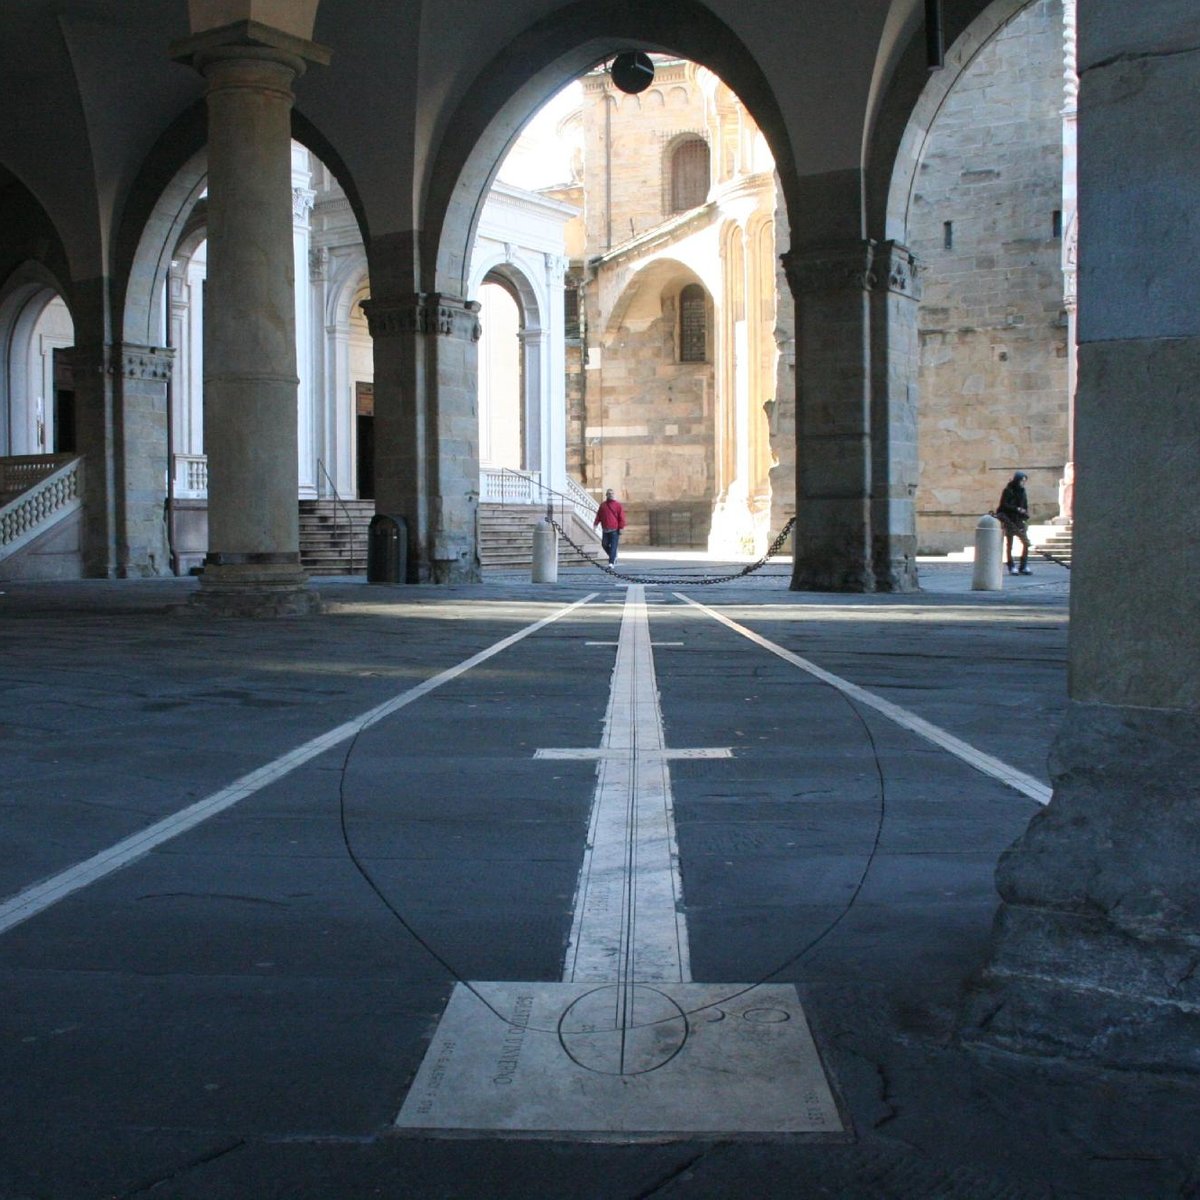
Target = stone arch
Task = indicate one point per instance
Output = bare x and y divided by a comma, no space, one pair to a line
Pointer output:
24,297
533,67
917,130
976,209
163,202
651,423
532,319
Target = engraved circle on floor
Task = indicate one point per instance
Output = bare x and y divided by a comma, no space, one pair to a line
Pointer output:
627,1043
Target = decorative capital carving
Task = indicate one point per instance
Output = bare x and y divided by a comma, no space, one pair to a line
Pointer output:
842,266
126,360
897,270
147,362
853,266
302,203
429,313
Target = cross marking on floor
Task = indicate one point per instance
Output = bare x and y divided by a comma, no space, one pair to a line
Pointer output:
627,1044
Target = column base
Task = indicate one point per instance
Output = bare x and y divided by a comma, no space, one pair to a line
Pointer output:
255,590
1096,948
810,577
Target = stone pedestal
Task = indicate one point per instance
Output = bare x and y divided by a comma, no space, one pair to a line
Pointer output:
250,381
427,428
1097,943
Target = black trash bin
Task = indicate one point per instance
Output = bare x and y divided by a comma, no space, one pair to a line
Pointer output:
387,549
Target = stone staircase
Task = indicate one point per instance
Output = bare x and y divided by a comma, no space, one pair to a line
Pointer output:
329,543
1054,540
506,536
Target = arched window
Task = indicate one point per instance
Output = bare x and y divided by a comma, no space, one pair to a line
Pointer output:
689,174
693,324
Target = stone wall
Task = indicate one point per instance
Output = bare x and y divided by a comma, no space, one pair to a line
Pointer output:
650,433
993,374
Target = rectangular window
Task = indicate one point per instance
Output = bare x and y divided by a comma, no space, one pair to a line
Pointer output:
571,311
1056,223
947,235
693,324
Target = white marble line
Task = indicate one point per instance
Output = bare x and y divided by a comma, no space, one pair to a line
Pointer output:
40,896
628,925
584,754
1018,780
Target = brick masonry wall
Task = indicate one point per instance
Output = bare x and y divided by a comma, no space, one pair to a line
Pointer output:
993,373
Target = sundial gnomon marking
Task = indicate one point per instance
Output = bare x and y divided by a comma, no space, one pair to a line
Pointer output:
661,1053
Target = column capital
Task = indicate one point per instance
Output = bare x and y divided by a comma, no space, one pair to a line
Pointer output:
153,363
124,360
424,313
831,267
865,265
897,270
249,40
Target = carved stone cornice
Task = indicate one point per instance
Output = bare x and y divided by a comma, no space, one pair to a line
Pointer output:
866,266
303,200
429,313
839,267
897,270
127,360
147,362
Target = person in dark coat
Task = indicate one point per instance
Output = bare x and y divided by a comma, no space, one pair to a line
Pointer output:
1013,511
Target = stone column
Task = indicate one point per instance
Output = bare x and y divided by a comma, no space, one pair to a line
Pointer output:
250,383
831,284
1096,948
427,428
894,462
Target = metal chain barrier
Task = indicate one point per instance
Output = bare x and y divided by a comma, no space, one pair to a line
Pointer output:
772,550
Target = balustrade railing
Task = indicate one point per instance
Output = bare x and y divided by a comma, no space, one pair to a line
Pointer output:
49,496
503,485
18,474
191,476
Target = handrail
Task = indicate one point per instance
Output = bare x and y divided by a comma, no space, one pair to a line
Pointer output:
547,494
342,503
56,494
18,473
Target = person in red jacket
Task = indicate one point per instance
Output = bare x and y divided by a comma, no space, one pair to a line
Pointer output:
610,516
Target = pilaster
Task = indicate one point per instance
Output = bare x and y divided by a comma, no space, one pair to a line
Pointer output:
895,302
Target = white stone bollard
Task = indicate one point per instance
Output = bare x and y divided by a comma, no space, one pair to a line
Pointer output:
989,557
545,553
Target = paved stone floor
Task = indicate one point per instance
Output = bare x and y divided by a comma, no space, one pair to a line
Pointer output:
274,849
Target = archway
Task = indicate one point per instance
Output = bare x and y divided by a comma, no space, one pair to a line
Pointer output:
977,194
37,393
